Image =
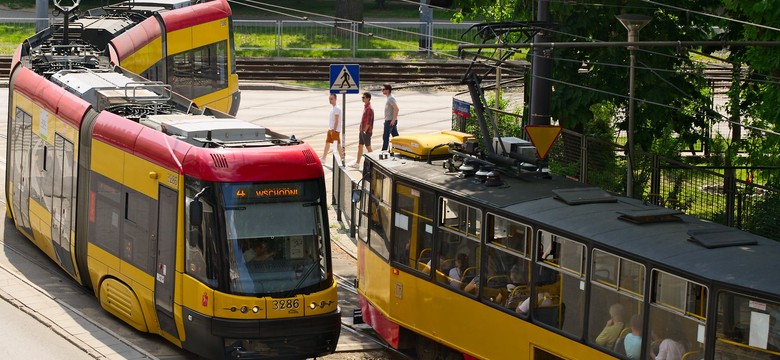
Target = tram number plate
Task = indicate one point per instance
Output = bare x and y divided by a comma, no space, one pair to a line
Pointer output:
286,304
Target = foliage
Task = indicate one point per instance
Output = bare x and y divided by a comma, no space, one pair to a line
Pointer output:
509,125
760,95
670,90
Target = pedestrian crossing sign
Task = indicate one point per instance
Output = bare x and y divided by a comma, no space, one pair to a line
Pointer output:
344,79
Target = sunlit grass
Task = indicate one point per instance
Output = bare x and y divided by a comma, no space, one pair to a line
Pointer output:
13,35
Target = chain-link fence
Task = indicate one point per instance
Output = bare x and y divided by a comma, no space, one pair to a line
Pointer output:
345,39
308,37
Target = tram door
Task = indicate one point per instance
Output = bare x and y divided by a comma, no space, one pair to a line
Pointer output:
20,168
166,256
62,202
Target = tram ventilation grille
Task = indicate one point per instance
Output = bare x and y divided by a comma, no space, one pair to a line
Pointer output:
219,160
309,156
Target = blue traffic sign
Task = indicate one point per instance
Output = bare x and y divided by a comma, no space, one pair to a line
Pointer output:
344,79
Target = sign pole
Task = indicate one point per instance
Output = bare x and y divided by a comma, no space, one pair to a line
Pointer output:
344,124
344,79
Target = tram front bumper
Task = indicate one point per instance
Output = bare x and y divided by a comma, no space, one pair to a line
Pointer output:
292,338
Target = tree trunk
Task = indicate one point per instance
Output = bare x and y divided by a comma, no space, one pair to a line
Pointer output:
348,10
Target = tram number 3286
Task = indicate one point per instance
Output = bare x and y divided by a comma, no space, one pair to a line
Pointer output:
286,304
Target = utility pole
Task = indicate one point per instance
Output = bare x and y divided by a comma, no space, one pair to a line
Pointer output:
541,67
42,14
633,23
426,26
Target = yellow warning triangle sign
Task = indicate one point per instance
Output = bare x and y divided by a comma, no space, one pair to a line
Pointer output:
542,137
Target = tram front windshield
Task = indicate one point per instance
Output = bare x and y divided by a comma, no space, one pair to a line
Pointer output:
274,237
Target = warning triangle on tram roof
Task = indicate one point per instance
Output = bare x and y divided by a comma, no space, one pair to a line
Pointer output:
543,137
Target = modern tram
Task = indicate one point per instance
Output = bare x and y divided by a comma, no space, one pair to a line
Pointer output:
185,222
188,45
460,258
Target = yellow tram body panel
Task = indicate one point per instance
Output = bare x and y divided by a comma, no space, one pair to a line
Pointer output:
207,33
458,321
145,57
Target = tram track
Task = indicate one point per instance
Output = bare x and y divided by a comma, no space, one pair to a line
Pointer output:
346,284
253,69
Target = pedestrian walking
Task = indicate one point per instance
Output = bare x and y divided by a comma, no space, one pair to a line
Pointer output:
366,129
391,116
334,129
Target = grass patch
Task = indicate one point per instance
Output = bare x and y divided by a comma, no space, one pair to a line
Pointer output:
13,35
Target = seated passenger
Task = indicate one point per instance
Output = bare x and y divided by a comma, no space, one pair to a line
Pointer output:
672,347
612,329
632,343
542,299
456,273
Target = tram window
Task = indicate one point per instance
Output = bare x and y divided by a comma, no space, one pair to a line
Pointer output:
379,209
614,304
137,243
461,218
559,294
413,232
677,314
38,173
105,202
464,252
748,327
201,256
199,71
509,262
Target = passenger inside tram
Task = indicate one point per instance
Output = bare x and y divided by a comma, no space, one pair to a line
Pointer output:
671,346
611,331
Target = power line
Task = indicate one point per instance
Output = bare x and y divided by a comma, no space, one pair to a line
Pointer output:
713,15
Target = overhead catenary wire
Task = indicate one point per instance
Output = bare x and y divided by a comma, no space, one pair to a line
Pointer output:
463,44
767,27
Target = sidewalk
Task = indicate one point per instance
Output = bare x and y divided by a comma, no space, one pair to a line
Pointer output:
24,293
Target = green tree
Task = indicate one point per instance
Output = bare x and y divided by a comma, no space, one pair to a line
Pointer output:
760,93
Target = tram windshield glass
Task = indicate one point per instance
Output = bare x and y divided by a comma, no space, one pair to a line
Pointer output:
274,233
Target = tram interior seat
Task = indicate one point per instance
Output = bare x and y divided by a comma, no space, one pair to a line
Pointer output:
440,277
619,348
692,355
423,266
425,256
551,315
518,294
468,274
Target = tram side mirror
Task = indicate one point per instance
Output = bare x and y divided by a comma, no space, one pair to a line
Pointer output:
196,213
356,195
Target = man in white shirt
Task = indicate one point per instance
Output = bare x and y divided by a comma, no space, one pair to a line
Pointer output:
334,129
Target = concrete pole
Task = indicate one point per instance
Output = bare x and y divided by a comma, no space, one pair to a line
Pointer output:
541,67
41,13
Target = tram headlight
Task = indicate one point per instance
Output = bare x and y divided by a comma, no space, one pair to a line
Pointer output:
244,309
256,309
313,305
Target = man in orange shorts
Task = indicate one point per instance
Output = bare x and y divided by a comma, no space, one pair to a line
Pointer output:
334,129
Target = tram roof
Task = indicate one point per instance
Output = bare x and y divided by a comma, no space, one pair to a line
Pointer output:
668,243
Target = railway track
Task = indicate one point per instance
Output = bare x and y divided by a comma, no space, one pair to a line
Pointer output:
270,69
371,70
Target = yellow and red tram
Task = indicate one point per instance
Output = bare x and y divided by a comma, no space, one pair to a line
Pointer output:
449,250
187,46
184,221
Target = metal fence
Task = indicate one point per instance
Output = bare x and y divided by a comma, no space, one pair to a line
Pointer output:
341,195
296,37
733,196
308,37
